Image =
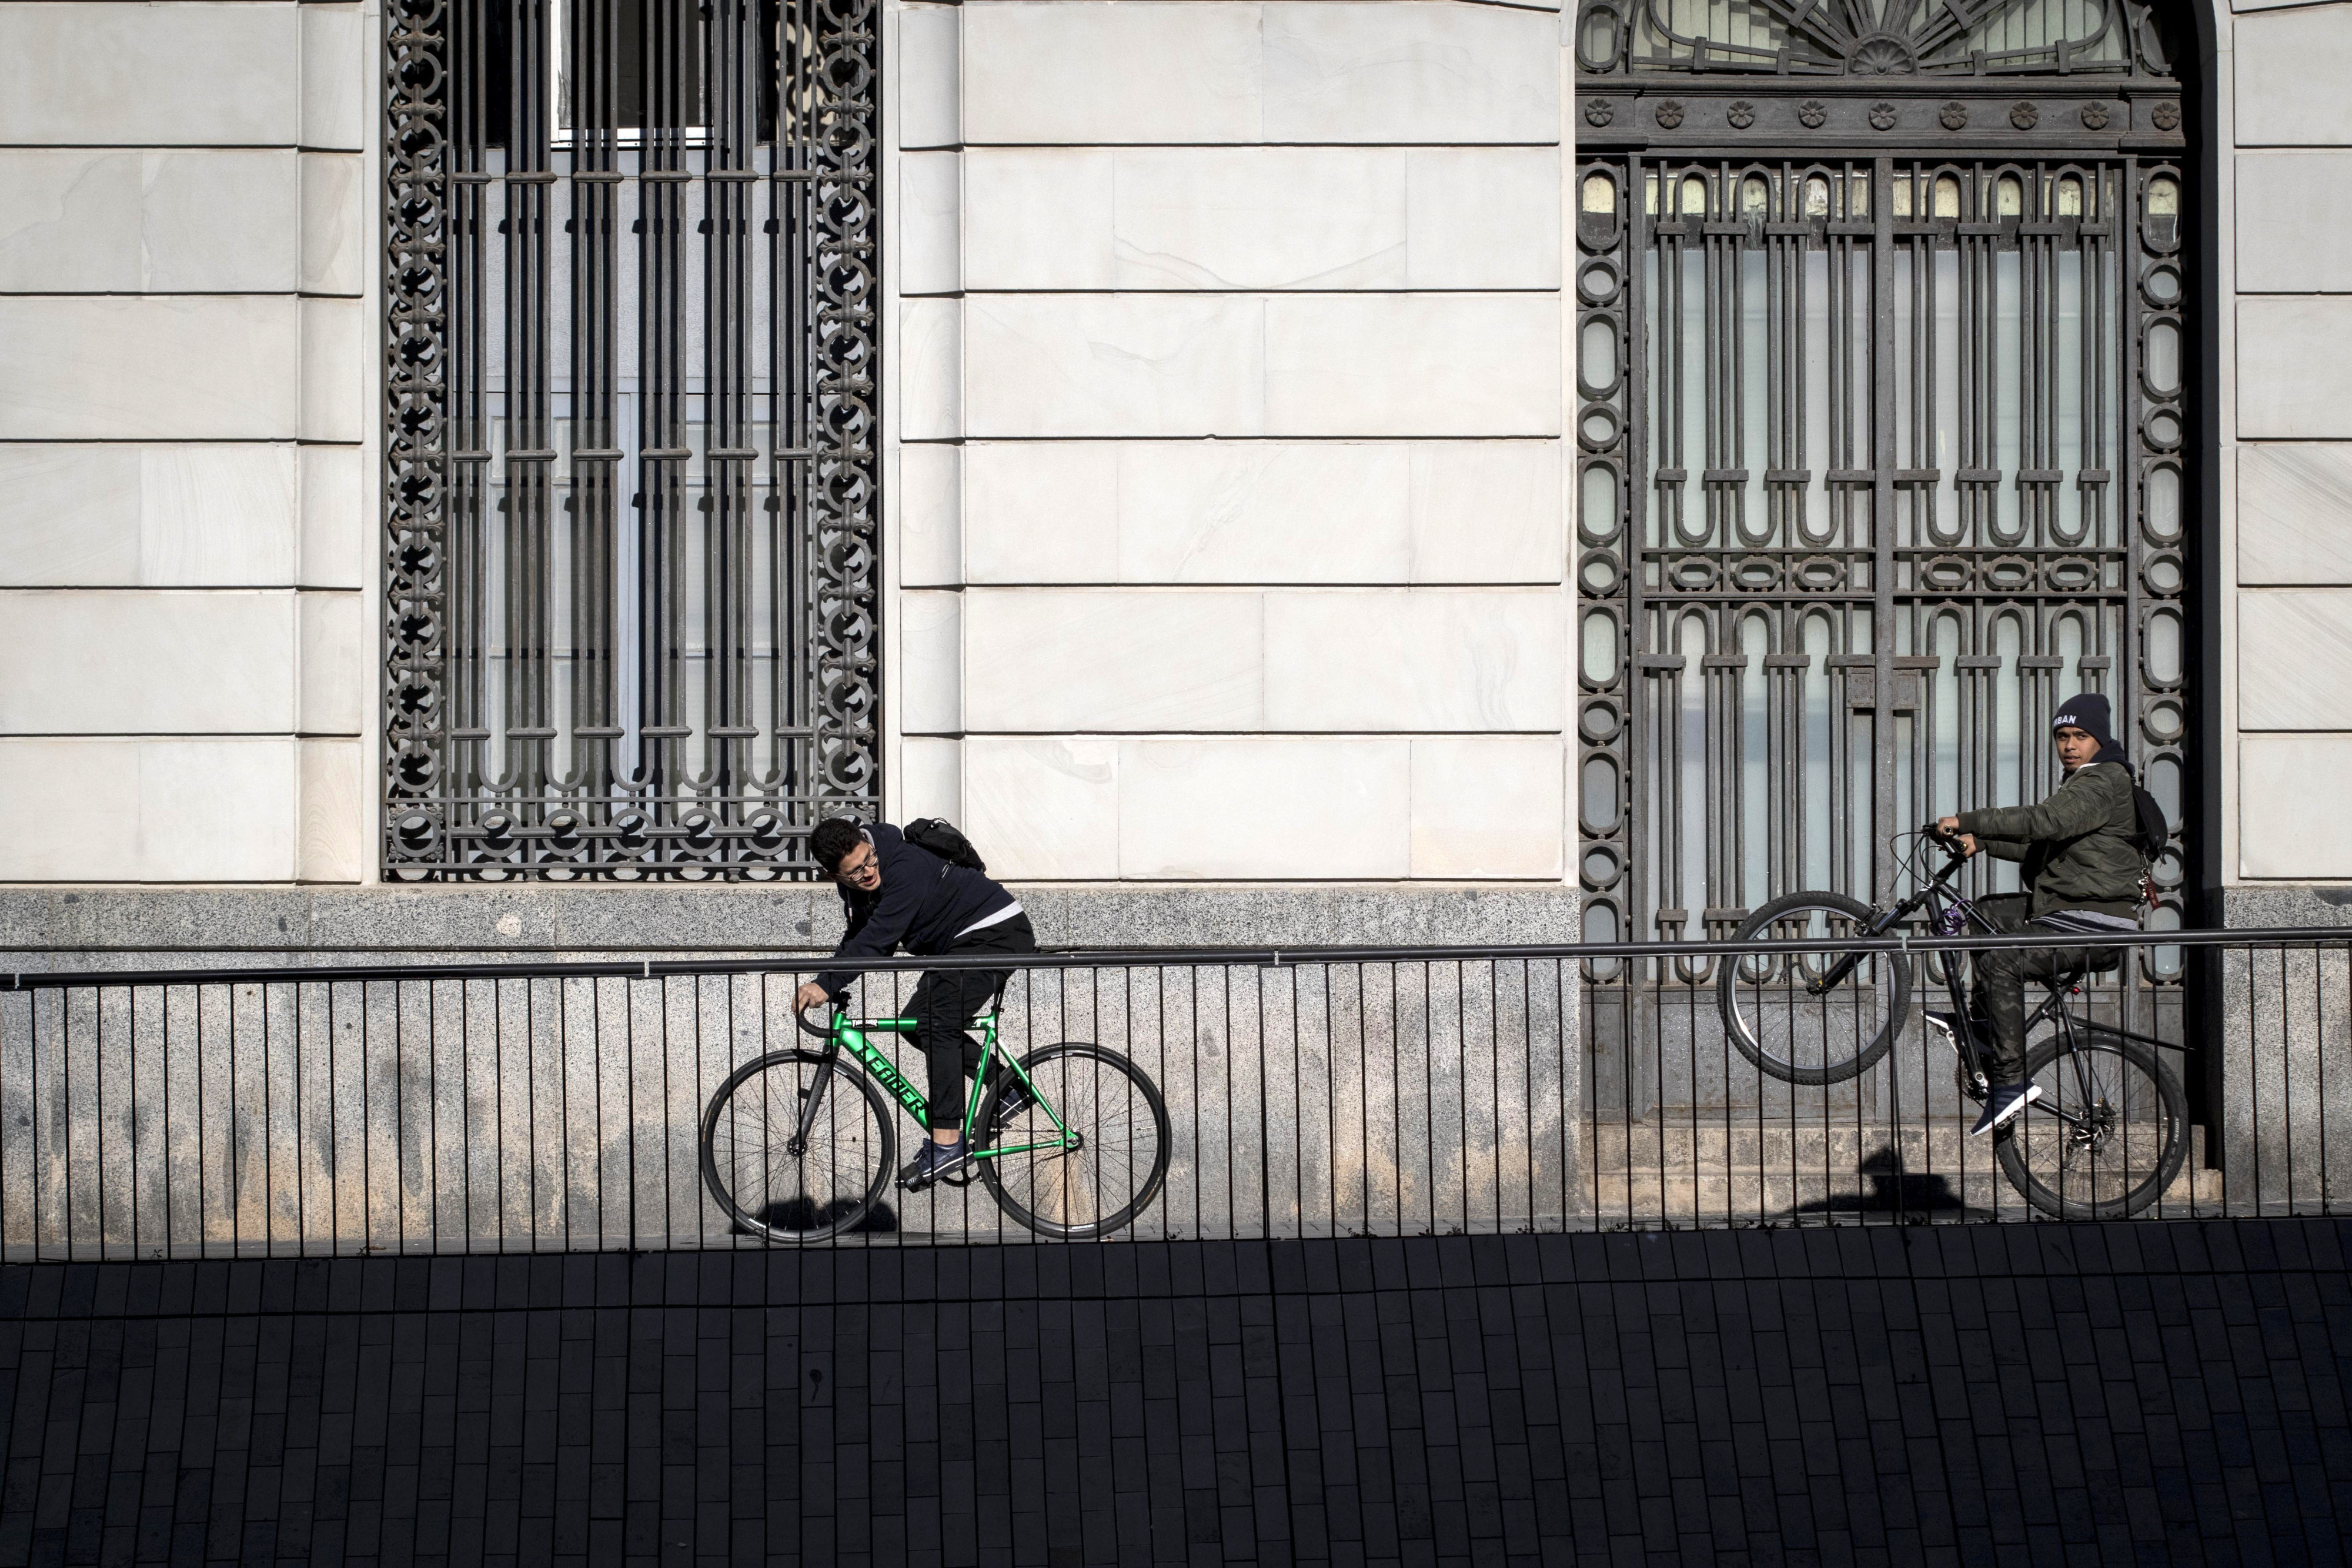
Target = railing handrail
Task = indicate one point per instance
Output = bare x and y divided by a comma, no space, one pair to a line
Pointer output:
808,960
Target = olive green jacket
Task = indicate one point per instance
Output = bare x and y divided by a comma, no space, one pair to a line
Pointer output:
2080,847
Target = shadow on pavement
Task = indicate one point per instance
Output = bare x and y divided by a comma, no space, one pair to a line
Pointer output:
1895,1190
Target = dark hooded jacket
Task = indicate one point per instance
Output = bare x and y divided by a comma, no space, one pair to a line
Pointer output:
923,905
2080,848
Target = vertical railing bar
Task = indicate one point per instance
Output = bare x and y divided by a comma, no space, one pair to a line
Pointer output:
32,1022
532,1144
1369,1221
235,1150
669,1161
2319,1057
38,1099
171,1207
1264,1132
335,1120
399,1117
1569,1112
2286,1081
1462,1084
466,1110
432,1113
367,1142
596,1060
270,1130
98,1106
563,1099
1396,1104
498,1100
1495,1080
1297,1108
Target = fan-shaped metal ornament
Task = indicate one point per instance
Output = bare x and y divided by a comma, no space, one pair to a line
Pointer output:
1870,37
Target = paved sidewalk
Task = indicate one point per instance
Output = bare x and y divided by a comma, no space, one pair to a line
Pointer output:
2139,1393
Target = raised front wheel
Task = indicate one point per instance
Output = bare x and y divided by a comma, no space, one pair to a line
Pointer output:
1812,1018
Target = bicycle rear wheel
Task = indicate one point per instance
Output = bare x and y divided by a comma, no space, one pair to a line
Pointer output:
2108,1134
771,1183
1795,1035
1120,1126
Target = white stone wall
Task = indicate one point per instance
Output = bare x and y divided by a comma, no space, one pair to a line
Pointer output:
186,375
2287,432
1228,516
1224,405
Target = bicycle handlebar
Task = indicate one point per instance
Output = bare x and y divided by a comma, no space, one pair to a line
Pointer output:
801,1018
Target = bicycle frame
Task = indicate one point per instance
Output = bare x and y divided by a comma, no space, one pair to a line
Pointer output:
1937,898
858,1037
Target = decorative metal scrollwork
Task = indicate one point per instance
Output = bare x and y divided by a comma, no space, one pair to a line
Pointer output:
631,265
1878,39
1821,485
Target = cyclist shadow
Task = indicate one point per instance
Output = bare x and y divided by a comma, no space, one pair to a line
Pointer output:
1896,1191
807,1214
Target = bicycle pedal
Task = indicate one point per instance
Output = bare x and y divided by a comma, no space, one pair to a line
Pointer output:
961,1177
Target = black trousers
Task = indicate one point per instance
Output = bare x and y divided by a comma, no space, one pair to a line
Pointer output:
2001,974
945,1002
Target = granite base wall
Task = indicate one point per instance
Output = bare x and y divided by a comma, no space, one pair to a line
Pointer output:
64,927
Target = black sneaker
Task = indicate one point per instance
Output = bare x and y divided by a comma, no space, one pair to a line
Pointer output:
1018,1098
2002,1101
937,1162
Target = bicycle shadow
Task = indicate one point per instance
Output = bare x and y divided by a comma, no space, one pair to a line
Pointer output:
806,1213
1895,1190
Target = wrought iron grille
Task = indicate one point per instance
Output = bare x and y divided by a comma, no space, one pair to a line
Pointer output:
631,488
1881,424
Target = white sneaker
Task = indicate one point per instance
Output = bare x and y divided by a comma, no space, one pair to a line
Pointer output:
2003,1101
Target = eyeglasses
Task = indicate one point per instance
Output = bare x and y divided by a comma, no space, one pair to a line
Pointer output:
851,869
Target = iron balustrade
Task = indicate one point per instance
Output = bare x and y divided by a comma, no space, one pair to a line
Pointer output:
553,1104
630,271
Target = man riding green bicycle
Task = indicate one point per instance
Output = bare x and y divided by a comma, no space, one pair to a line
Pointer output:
897,894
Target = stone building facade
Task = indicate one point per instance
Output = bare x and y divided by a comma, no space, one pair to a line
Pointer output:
1225,464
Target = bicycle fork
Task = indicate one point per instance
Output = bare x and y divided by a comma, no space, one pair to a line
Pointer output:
812,1100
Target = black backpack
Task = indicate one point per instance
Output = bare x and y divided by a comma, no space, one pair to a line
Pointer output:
2155,833
2155,836
941,836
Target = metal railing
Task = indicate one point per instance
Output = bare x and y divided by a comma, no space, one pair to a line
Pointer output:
554,1104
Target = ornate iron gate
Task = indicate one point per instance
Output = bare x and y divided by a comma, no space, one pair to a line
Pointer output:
1881,428
630,482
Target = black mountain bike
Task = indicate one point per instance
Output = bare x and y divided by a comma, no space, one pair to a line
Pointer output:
2110,1130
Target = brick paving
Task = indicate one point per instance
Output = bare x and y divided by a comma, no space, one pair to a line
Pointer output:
2140,1393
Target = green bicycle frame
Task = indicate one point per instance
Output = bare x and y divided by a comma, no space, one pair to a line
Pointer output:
857,1036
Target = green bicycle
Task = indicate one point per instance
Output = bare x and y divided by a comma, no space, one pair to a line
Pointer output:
799,1146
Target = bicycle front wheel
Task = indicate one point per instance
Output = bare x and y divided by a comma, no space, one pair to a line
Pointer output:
1789,1029
776,1183
1105,1163
2108,1134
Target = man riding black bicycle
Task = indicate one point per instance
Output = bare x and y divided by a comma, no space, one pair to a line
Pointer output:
898,893
2084,866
